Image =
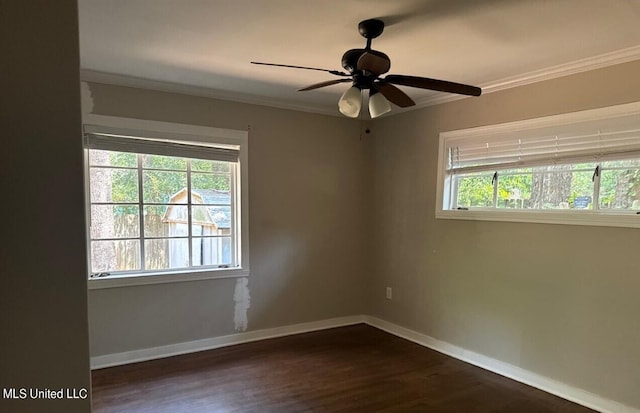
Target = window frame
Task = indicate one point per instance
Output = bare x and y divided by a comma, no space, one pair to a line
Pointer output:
595,217
193,134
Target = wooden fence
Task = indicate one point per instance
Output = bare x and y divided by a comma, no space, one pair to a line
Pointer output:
156,251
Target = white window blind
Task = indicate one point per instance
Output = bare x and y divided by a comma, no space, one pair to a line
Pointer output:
113,139
531,148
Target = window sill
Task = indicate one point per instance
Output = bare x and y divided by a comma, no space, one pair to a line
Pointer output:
625,220
115,281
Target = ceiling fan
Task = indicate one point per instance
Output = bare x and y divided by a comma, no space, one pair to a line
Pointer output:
364,68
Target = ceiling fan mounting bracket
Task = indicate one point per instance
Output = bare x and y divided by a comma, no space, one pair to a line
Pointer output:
371,28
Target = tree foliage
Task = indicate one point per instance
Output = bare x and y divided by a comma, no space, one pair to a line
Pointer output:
162,177
551,187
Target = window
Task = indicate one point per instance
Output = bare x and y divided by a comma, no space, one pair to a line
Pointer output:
578,168
164,203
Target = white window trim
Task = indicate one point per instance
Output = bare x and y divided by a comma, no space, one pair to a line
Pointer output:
191,133
608,219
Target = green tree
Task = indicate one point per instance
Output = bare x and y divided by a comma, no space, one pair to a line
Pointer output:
475,190
163,177
514,187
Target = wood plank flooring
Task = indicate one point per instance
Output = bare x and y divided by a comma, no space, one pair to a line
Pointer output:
349,369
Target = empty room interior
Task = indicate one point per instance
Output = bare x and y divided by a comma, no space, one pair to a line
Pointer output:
291,206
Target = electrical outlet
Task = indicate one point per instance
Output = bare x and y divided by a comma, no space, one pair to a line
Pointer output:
389,293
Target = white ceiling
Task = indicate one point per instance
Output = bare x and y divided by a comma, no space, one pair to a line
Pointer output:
205,46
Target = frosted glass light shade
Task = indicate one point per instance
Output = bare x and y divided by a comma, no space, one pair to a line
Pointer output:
378,105
351,102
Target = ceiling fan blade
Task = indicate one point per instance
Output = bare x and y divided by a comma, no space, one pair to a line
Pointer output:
393,94
323,84
434,84
376,63
333,72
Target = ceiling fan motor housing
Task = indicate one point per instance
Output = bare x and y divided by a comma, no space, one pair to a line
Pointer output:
350,59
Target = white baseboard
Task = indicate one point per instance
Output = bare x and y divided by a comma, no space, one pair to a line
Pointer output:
134,356
546,384
574,394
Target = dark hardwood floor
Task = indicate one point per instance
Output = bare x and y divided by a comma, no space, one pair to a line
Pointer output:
348,369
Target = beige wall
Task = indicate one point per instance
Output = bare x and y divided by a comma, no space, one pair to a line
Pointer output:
43,296
307,217
558,300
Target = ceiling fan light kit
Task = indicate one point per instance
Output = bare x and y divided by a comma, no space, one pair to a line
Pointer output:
351,102
378,104
365,66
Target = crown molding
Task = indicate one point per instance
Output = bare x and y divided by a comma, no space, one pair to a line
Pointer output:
95,76
578,66
583,65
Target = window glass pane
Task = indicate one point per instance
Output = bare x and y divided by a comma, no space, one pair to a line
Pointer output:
164,162
166,221
567,187
108,256
216,182
109,158
203,165
115,221
514,189
201,218
116,185
164,187
223,218
113,185
124,185
211,220
211,251
474,190
620,189
101,184
162,254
